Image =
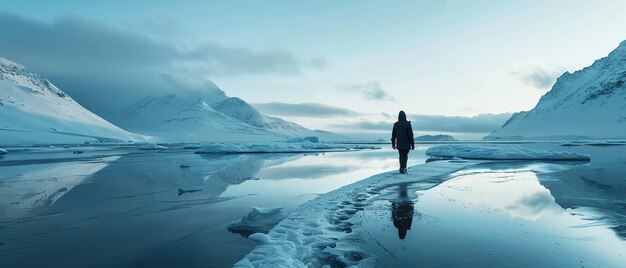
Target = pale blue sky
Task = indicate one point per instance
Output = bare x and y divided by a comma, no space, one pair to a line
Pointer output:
459,58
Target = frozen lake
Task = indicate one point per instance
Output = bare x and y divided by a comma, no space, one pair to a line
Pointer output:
124,207
120,206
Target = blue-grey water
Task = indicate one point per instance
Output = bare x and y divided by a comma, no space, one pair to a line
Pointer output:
507,214
123,207
117,207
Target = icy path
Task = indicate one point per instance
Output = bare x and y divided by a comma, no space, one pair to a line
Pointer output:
320,233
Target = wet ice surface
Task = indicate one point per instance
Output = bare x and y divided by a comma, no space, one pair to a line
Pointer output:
126,207
518,214
123,207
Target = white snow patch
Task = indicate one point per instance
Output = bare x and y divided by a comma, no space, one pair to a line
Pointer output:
260,238
500,152
259,220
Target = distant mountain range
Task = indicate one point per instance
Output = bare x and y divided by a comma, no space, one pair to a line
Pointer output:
439,137
34,111
587,104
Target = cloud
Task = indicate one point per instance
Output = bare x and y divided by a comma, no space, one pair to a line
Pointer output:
535,74
303,110
532,205
484,123
370,90
95,62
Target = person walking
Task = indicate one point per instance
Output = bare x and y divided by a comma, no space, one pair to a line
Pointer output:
402,139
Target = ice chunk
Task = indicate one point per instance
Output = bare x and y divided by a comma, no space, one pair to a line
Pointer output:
220,148
259,220
261,238
151,146
500,152
312,139
192,146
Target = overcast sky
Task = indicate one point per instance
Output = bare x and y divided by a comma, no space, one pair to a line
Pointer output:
456,66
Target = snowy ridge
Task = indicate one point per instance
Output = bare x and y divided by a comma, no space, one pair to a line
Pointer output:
587,104
33,110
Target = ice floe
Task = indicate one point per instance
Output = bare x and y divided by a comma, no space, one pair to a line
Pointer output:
259,220
500,152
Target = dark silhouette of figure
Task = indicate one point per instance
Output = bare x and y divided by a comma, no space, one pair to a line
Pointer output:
402,139
402,213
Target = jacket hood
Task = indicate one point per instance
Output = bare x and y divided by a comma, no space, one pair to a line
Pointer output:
401,116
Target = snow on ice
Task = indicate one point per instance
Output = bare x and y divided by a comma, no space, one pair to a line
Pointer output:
259,220
500,152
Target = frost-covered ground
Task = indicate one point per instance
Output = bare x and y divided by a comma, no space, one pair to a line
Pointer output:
461,213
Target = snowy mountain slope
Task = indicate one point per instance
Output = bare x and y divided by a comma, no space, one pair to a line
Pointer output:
189,118
33,110
244,112
588,104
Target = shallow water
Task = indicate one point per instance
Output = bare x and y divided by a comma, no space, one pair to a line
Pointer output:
504,215
123,207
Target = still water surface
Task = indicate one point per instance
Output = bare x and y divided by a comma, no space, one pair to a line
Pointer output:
124,207
121,207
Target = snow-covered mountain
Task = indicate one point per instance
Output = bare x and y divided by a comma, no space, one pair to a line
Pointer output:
209,115
587,104
188,118
244,112
34,111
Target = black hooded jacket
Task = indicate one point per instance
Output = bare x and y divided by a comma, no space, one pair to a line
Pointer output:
402,134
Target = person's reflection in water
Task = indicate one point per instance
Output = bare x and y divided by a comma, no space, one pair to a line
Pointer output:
402,212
